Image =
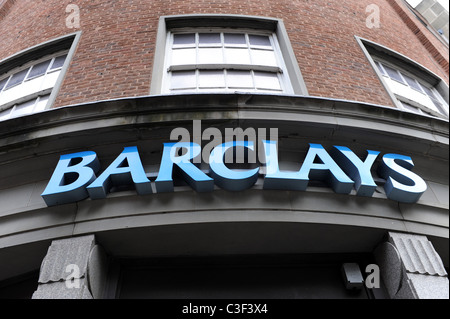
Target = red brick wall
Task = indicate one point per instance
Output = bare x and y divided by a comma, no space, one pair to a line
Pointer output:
115,54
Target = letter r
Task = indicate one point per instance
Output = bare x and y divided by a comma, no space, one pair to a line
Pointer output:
70,178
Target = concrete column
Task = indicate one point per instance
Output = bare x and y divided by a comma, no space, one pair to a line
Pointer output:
74,268
411,269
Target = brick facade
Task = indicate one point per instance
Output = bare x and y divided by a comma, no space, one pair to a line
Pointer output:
116,50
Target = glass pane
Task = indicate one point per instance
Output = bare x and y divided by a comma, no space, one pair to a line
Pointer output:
267,80
428,91
239,79
235,39
24,108
209,39
393,74
438,105
262,57
209,55
237,56
50,80
17,78
31,85
58,62
2,83
380,68
183,80
259,40
42,103
412,83
184,40
38,69
183,56
411,108
211,79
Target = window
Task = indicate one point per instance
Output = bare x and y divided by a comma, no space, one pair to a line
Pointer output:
201,53
24,90
224,61
414,95
412,87
31,106
28,79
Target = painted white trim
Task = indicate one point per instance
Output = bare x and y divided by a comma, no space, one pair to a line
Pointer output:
407,60
253,23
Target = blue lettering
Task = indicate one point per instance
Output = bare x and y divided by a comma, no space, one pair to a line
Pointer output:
192,174
74,178
274,178
229,179
126,169
401,184
356,169
70,178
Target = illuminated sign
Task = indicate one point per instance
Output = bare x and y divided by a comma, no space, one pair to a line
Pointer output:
75,176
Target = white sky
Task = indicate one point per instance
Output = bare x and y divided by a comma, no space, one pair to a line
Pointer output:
414,3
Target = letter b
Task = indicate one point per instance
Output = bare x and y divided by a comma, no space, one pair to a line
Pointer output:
70,178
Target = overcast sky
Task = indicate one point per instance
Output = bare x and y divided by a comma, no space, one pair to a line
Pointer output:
414,3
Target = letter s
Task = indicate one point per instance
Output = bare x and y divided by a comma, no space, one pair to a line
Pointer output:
401,184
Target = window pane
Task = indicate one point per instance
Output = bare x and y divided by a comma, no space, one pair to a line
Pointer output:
17,78
210,55
58,62
393,74
267,80
183,80
211,79
411,108
239,79
2,83
263,57
183,56
50,80
438,105
412,83
42,103
428,91
380,67
38,69
184,40
259,40
24,108
234,39
209,39
237,56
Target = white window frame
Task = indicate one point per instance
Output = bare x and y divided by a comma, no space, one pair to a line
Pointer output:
13,110
292,80
409,67
403,98
25,60
28,66
285,86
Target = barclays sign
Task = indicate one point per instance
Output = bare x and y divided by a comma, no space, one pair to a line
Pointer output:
75,176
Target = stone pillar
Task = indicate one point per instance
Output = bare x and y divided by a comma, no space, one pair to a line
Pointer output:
411,269
74,268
